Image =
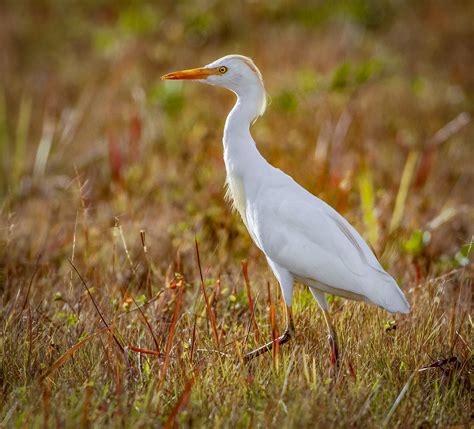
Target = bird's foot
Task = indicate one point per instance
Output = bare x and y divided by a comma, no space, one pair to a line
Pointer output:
287,335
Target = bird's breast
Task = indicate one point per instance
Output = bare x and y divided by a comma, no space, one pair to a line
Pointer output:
236,194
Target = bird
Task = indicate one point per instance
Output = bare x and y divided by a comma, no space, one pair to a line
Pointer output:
303,238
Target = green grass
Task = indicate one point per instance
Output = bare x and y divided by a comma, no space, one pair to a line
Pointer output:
108,171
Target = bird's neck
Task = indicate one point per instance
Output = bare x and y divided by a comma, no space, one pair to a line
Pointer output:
240,153
243,161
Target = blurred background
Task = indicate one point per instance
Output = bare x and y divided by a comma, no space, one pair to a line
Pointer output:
361,92
102,163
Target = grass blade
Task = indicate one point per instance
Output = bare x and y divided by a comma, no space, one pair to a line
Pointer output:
97,308
399,399
69,353
23,125
367,201
249,295
206,298
407,175
44,148
143,351
171,334
4,152
183,399
134,273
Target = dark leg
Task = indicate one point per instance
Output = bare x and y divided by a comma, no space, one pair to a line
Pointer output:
287,335
332,337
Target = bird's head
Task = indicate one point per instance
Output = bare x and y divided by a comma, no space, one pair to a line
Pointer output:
234,72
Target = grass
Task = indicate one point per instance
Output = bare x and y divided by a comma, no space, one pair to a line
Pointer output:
129,291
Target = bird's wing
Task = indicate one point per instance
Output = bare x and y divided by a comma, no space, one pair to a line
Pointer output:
309,238
291,215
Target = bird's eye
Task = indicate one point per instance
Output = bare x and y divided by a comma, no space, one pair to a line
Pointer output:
222,69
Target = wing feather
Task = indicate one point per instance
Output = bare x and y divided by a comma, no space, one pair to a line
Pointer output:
309,238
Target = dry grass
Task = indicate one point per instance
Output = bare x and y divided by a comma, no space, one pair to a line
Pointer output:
110,175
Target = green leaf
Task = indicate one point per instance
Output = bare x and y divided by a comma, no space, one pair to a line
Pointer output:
462,255
138,20
341,76
286,101
169,95
417,241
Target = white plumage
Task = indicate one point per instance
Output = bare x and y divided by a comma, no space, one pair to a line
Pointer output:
303,238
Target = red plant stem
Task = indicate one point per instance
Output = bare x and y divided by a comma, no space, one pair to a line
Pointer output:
180,403
171,334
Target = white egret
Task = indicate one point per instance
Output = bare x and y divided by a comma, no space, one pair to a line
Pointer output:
303,238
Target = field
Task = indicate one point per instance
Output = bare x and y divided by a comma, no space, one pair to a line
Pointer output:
123,299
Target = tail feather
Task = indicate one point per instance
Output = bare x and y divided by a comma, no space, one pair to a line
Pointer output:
387,294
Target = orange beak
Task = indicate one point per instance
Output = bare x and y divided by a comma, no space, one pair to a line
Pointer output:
201,73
